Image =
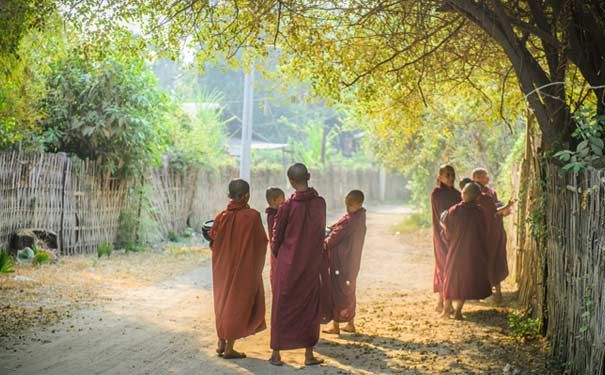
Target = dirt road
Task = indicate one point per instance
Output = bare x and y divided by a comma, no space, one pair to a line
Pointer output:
168,328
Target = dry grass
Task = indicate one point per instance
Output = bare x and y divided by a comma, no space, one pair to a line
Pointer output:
39,295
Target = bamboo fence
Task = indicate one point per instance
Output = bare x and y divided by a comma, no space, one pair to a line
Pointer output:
575,264
560,258
82,204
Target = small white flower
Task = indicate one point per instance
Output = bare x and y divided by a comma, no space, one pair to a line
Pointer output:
337,272
348,282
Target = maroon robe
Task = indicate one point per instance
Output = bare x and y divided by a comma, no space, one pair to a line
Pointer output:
238,258
442,198
344,246
466,263
297,243
271,212
498,262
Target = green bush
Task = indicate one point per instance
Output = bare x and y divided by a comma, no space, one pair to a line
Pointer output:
412,222
590,133
173,236
105,248
523,327
188,232
109,109
41,257
7,263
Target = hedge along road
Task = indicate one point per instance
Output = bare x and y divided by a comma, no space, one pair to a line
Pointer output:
168,328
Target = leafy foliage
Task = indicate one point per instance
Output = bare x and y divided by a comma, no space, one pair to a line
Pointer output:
198,138
590,133
22,83
7,263
17,19
105,248
523,327
173,236
110,110
41,257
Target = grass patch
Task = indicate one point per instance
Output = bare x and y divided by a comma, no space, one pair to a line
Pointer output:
411,223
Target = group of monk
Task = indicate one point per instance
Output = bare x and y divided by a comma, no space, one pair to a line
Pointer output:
469,241
313,274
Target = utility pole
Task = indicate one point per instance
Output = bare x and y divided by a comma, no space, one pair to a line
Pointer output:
244,169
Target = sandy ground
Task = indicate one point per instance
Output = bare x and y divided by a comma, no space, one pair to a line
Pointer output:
168,328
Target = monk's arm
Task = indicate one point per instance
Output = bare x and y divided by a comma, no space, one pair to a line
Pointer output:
259,238
279,228
338,234
213,233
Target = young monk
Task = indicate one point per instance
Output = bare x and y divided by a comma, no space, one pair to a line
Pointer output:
238,256
498,263
298,235
344,246
443,196
463,182
466,262
275,196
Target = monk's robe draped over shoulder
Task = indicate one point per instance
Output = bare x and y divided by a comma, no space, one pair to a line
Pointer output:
238,258
297,243
466,263
344,246
498,262
442,198
271,212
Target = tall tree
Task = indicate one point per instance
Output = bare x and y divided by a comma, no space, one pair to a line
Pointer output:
402,49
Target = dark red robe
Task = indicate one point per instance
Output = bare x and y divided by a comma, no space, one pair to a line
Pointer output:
238,258
498,262
344,246
297,243
442,198
271,212
466,263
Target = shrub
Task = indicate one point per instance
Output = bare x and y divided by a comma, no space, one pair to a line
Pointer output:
523,327
188,232
173,236
41,257
7,263
106,248
109,109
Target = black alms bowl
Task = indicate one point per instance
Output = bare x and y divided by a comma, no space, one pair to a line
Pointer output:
206,227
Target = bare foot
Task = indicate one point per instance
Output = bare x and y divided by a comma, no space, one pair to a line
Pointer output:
276,360
439,308
220,347
458,315
313,361
233,355
349,328
332,331
444,315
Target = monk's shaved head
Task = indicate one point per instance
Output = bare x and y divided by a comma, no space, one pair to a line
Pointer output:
478,173
273,193
465,181
298,174
356,196
238,189
471,192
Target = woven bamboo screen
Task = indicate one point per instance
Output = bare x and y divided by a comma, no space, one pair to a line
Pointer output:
81,203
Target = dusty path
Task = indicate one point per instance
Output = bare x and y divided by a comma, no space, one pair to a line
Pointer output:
168,328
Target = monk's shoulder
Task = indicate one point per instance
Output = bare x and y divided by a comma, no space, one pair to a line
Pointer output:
251,213
320,200
220,215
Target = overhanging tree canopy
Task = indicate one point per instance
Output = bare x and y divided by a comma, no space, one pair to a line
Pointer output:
401,51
